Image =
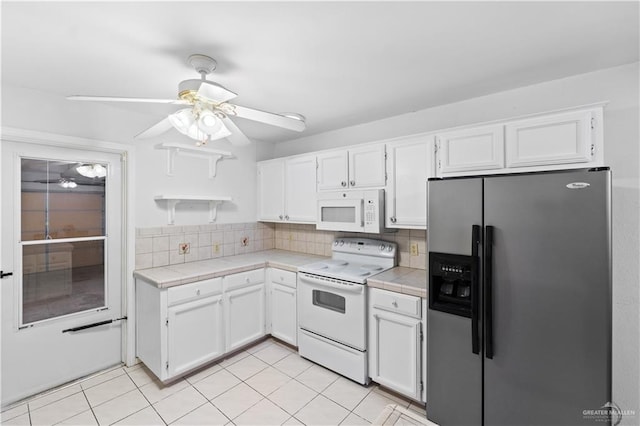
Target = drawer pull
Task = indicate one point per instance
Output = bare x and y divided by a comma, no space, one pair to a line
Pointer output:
395,304
198,292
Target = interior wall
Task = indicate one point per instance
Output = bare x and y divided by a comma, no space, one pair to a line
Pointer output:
619,86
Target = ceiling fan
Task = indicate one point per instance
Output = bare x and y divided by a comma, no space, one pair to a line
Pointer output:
206,115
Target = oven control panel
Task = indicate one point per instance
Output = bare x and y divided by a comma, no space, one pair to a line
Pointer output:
365,246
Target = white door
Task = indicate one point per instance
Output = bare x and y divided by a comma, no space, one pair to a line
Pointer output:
332,171
300,189
283,313
194,334
366,167
244,316
62,239
395,352
410,164
271,190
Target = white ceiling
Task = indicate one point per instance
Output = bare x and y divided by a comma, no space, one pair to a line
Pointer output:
337,63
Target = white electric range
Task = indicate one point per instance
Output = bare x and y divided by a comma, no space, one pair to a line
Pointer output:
332,304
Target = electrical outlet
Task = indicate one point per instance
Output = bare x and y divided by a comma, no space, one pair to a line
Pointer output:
216,248
183,248
414,249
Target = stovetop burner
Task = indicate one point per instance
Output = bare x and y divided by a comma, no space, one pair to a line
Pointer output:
355,259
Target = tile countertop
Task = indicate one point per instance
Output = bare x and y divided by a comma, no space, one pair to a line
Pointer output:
184,273
401,280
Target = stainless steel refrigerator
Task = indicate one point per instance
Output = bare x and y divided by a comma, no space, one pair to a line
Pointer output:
519,318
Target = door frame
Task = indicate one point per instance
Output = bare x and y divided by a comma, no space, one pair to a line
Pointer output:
127,155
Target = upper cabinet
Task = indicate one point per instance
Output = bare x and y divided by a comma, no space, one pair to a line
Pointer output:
409,164
356,168
287,190
469,150
567,139
556,139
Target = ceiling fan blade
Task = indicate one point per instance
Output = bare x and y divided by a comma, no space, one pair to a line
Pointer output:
119,99
215,92
236,137
156,129
270,118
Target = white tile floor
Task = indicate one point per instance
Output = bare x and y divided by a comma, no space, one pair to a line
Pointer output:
267,384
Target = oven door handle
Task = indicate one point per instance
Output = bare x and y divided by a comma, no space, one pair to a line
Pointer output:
349,288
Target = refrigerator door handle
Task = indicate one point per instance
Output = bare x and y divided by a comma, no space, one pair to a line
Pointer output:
475,334
488,300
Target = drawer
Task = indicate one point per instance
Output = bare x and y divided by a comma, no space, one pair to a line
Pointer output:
186,292
396,302
286,278
243,279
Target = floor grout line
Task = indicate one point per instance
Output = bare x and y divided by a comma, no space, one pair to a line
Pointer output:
91,408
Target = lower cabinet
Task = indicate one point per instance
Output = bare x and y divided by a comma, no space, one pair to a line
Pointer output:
194,334
183,327
395,342
282,292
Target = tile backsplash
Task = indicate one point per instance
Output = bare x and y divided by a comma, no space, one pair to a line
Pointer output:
306,239
169,245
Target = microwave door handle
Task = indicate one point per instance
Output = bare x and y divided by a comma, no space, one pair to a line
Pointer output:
362,212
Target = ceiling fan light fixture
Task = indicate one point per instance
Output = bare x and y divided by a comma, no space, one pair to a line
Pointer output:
92,171
182,120
67,184
208,122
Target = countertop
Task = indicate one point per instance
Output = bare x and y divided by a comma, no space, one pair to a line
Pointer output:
399,279
184,273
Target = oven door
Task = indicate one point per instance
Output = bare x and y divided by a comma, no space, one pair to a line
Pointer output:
333,309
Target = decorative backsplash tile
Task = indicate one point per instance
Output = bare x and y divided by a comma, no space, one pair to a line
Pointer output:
169,245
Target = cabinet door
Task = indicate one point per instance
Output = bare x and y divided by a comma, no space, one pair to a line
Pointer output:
410,164
367,167
271,190
556,139
395,349
300,189
284,323
332,171
479,148
244,316
194,334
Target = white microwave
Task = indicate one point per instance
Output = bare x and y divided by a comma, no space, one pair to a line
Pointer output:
351,211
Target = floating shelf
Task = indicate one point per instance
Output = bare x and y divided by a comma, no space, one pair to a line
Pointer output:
173,200
175,148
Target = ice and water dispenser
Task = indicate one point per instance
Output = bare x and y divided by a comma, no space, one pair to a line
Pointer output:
452,283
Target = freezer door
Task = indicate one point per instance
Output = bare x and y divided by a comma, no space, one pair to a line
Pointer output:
454,372
550,286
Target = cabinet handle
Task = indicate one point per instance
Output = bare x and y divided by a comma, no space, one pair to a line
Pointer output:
353,183
343,183
287,217
247,280
198,292
280,217
393,219
395,304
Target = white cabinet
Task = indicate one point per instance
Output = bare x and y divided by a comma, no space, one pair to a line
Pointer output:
244,312
282,305
395,342
471,150
409,164
559,140
300,189
287,190
194,334
356,168
553,139
180,328
271,190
